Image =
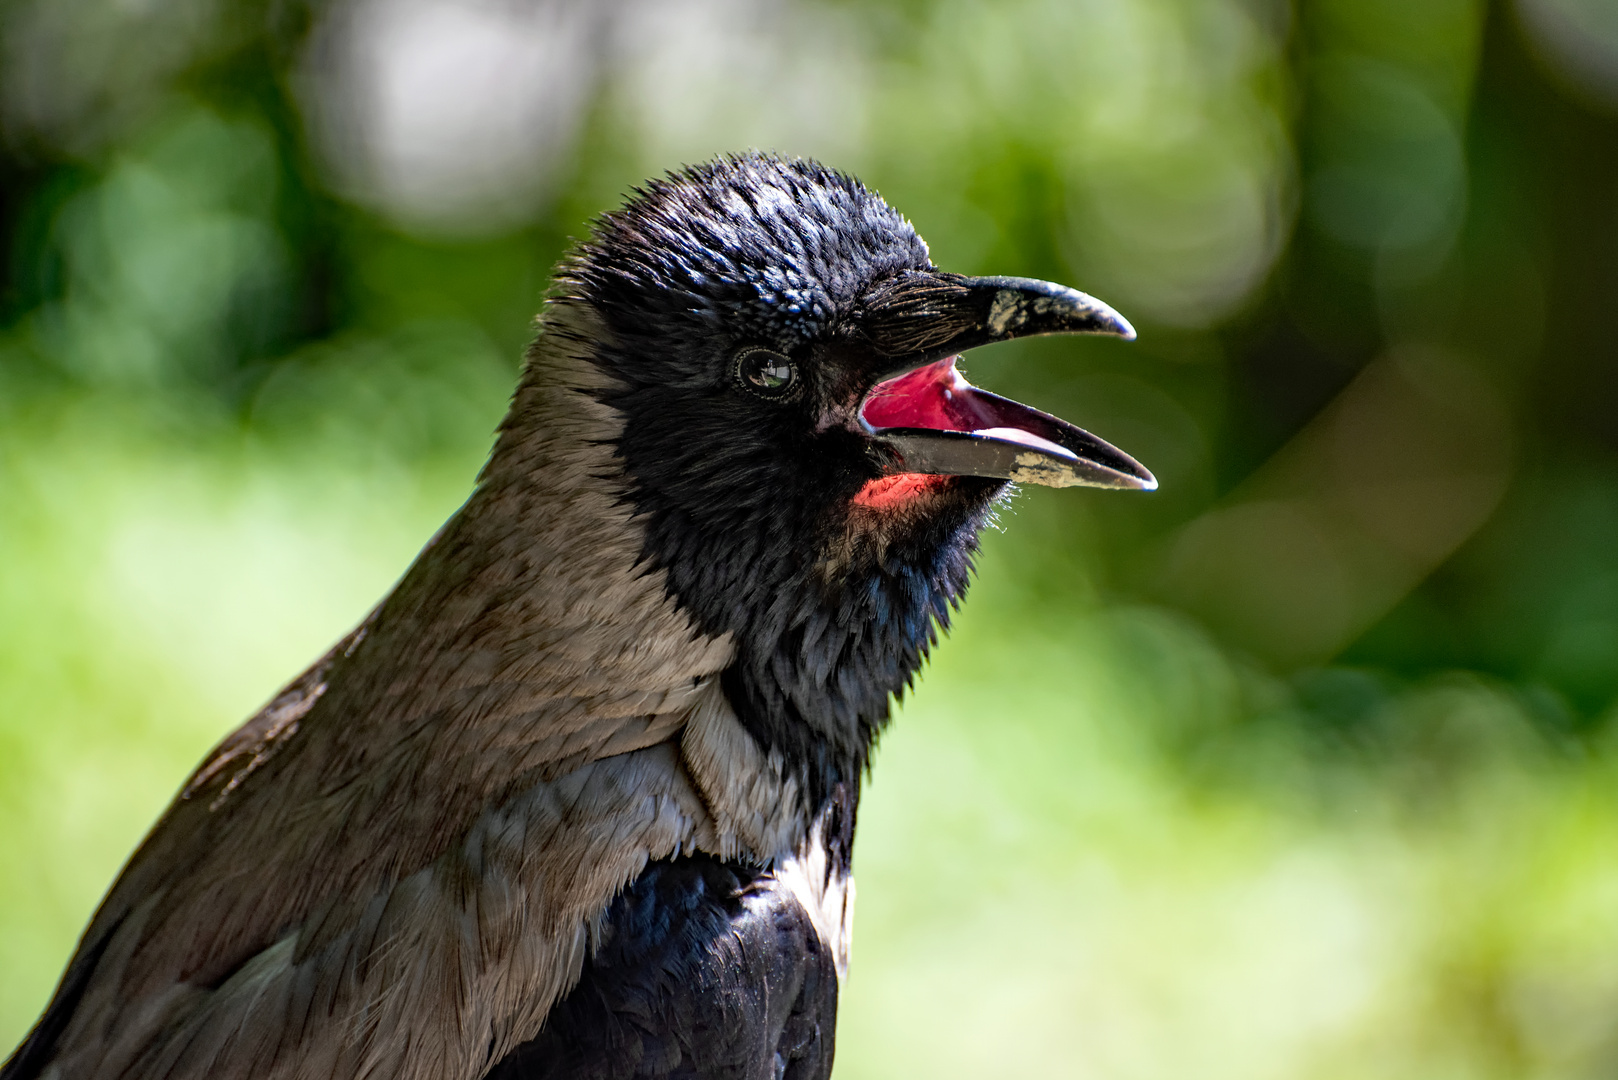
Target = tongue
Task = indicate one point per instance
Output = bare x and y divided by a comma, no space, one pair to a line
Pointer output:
1027,438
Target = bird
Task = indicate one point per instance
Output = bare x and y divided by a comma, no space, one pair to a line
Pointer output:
577,799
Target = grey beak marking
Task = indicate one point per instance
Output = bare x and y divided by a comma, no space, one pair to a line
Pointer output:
1024,306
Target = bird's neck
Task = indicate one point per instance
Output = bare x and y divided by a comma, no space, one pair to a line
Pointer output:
830,605
824,649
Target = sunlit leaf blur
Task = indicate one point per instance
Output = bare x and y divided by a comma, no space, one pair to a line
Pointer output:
1304,766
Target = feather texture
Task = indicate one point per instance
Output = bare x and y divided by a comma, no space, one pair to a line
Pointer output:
393,868
611,724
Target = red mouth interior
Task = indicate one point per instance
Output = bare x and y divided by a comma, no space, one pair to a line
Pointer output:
933,396
938,397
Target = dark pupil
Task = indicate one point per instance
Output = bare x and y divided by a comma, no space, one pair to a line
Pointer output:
771,374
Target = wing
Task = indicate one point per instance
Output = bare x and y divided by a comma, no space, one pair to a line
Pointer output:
392,869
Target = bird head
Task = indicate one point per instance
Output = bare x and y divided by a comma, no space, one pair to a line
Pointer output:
809,466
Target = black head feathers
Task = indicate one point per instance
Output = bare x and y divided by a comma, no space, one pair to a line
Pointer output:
753,246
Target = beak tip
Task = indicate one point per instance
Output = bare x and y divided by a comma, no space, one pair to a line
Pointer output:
1115,324
1133,479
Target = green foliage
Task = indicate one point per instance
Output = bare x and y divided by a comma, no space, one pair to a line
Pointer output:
1302,766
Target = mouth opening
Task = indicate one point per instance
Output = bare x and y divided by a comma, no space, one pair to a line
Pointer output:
938,423
937,397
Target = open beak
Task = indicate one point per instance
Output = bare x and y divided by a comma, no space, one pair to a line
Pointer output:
935,422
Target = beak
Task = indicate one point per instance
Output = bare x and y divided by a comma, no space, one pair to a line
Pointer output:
935,422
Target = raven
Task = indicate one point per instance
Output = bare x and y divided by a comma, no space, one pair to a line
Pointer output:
577,799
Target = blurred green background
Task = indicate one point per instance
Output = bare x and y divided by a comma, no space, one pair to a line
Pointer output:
1305,766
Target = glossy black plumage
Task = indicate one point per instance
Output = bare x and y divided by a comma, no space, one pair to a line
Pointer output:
704,970
705,973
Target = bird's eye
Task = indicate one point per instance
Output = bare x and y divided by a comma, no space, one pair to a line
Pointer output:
766,373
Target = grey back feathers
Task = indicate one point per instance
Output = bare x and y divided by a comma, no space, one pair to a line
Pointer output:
393,870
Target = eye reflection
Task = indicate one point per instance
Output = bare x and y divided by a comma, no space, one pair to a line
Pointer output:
765,372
